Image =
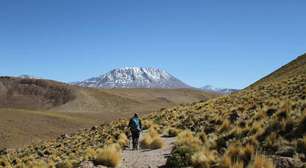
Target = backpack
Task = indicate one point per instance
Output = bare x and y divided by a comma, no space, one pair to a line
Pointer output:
135,124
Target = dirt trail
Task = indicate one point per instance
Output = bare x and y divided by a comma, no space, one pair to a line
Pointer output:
145,158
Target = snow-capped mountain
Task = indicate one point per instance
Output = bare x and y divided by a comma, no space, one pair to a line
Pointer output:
24,76
210,88
134,77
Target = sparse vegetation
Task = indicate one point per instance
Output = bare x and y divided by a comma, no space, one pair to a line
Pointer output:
109,156
262,161
152,140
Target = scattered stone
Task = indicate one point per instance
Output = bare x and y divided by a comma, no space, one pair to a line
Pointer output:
287,162
86,164
286,151
90,164
94,128
64,136
3,151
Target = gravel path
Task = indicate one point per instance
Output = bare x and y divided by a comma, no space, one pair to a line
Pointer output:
145,158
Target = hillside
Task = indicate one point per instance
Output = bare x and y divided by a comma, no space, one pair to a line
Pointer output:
35,109
261,126
33,93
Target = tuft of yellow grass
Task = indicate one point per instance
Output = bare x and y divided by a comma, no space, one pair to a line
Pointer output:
238,153
225,126
262,161
203,159
89,154
186,138
109,156
123,140
172,132
152,140
64,164
38,164
237,164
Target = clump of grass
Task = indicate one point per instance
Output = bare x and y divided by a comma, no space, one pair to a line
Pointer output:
186,138
188,152
180,157
225,126
147,124
237,164
89,154
261,161
152,140
238,153
301,145
4,162
203,158
109,156
157,143
172,132
64,164
123,140
37,164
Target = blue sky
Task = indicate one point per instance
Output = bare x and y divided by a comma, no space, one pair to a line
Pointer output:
223,43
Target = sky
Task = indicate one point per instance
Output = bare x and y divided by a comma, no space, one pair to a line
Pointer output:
219,42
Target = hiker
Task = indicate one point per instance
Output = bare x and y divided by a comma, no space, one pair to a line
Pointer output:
135,127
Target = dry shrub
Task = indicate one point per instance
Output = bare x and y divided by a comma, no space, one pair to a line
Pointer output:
147,124
89,154
37,164
157,143
203,158
186,138
262,161
109,156
64,164
4,162
123,140
172,132
152,140
238,153
225,126
301,145
237,164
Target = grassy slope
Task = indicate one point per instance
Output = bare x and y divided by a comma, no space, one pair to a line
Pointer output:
267,117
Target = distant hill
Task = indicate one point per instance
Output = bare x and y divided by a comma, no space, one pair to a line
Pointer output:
134,77
210,88
32,109
32,93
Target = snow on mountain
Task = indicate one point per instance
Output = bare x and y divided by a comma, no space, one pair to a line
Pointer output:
211,88
134,77
24,76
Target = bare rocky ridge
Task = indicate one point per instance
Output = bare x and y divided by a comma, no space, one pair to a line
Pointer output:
33,93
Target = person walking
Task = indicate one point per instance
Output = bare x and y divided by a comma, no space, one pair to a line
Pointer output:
135,128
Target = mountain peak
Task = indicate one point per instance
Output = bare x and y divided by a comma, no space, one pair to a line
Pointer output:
211,88
25,76
134,77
